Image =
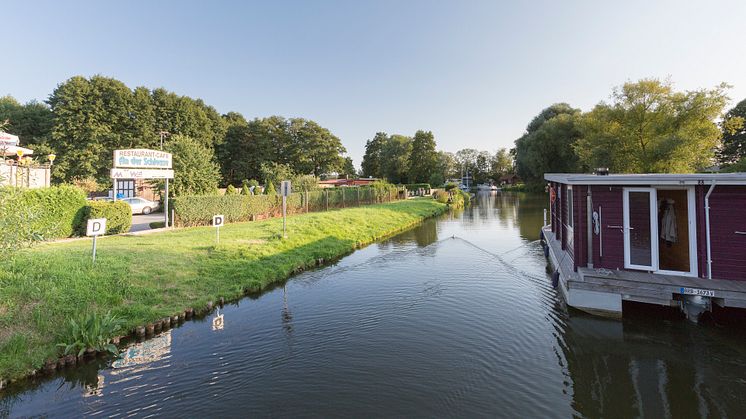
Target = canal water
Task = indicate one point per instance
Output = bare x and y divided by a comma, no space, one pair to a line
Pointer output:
455,318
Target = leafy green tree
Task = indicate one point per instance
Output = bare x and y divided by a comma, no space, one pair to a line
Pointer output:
502,164
32,122
195,169
650,128
270,189
734,134
423,159
274,173
305,183
314,149
447,165
548,144
466,161
395,158
372,164
348,168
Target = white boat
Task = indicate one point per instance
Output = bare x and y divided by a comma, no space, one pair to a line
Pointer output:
487,187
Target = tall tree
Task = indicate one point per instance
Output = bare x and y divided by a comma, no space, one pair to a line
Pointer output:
547,144
423,160
395,158
314,149
348,168
649,127
195,169
31,122
734,135
372,164
501,164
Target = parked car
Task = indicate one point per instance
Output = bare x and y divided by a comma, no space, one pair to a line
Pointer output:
141,205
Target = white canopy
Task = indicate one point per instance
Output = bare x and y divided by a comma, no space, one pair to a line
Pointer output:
12,150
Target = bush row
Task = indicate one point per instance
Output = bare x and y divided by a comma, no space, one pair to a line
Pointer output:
199,210
48,213
118,216
54,213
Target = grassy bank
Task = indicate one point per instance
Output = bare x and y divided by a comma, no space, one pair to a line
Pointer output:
144,278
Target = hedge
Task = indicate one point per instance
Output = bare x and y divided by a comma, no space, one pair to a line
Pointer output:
199,209
51,213
118,216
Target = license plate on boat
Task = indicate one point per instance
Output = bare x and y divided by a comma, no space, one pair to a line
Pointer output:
697,291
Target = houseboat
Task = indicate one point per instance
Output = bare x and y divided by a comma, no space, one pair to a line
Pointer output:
668,239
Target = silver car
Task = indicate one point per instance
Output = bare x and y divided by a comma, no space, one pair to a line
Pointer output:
141,205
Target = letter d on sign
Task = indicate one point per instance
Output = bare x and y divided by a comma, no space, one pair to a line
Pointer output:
96,227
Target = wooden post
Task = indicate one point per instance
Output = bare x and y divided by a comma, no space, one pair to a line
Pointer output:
326,198
343,197
358,196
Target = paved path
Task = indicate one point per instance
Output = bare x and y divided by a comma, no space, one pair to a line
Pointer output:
142,222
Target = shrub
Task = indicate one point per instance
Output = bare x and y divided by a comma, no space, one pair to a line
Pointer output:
90,332
231,190
199,209
441,196
270,189
44,213
451,186
118,216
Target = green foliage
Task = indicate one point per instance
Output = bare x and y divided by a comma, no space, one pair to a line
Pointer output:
441,196
245,188
302,145
372,164
196,172
423,160
348,168
733,129
650,128
92,331
305,183
30,215
437,179
450,186
548,144
118,216
270,189
231,190
274,173
199,210
94,116
31,122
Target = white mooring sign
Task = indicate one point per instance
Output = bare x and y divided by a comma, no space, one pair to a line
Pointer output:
96,227
217,222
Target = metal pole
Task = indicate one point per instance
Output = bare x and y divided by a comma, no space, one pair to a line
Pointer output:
94,249
165,204
326,199
114,191
284,216
217,235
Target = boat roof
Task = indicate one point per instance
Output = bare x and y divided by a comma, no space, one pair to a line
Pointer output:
648,179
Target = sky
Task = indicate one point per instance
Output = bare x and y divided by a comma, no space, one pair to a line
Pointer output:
472,72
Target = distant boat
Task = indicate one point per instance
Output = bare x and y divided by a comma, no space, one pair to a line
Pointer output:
464,187
487,187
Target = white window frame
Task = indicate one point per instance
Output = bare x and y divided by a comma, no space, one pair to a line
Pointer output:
653,230
570,225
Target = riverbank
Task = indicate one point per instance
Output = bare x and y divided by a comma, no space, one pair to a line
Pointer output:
143,278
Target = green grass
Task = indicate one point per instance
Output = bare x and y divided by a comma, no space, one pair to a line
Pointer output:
142,278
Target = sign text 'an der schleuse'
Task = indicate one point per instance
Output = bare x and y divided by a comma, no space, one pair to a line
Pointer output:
142,158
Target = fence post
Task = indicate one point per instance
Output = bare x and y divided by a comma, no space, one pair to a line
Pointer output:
343,198
306,202
326,198
358,196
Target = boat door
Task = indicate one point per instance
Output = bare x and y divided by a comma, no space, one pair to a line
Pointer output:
640,229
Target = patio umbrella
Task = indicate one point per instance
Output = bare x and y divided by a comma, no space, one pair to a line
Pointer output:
12,150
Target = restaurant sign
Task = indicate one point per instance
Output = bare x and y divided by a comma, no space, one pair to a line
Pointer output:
142,158
142,173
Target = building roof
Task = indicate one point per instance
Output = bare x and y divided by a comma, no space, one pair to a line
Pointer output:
648,179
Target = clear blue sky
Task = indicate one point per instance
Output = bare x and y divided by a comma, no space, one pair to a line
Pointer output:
473,72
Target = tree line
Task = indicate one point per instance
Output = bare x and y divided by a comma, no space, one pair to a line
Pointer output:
403,159
647,127
85,119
